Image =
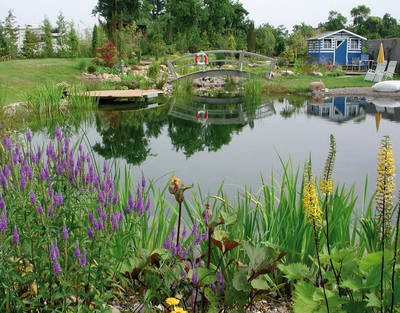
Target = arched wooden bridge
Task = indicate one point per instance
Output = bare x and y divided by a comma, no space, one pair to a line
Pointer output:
240,63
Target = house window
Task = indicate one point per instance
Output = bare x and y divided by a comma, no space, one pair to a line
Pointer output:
314,45
327,43
354,44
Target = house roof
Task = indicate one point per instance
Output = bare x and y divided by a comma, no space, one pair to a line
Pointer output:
327,34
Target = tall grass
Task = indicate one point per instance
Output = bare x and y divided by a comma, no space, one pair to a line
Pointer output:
78,99
3,93
44,99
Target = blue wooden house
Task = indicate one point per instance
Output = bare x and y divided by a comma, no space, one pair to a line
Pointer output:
340,47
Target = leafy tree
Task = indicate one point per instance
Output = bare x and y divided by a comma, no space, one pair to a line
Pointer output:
335,21
280,34
157,8
11,34
359,15
47,38
62,34
117,14
265,40
390,28
95,38
72,41
30,44
372,27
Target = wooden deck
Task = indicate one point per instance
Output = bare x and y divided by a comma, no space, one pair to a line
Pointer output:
124,94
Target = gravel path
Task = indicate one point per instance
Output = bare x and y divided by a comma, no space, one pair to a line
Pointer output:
362,91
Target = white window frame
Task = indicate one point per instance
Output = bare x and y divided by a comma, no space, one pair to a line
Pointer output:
326,45
314,45
353,46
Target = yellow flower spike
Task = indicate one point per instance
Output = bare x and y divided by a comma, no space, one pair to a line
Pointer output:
310,199
326,185
385,185
172,301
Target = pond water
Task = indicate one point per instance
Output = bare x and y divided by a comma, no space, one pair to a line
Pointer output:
209,140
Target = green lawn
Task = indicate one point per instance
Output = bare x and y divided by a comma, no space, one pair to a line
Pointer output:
300,83
20,76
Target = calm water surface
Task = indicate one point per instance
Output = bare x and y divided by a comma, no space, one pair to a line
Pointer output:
210,140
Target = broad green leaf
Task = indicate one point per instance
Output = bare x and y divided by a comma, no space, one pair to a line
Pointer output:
211,296
206,276
352,284
228,218
256,255
259,283
295,270
373,300
303,298
239,281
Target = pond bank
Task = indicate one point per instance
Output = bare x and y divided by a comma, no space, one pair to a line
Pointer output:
361,91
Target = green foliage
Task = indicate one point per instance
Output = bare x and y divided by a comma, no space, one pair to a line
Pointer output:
30,44
47,37
72,41
92,68
95,38
82,66
153,70
10,35
62,38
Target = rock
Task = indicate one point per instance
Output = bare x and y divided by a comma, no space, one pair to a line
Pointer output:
275,74
315,73
287,73
317,86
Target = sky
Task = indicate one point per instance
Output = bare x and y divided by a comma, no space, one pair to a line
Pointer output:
275,12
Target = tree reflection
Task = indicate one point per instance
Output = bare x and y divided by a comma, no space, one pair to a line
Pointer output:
127,134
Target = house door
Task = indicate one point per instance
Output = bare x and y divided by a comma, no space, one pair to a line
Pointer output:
341,52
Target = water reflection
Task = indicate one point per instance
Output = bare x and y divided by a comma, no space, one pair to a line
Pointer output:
387,108
338,109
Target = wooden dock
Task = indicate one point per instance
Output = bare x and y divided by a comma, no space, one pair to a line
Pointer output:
133,94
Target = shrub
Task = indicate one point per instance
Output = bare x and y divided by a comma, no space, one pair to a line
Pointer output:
92,69
82,65
153,70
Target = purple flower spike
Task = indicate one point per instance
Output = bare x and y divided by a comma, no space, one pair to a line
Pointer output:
205,236
56,248
147,205
58,199
65,231
90,217
195,277
53,254
121,216
115,199
82,262
105,167
77,253
90,232
198,238
184,273
219,279
23,181
185,253
32,197
7,142
56,267
222,287
2,203
184,232
51,211
51,191
57,133
194,229
15,237
29,136
39,209
3,220
206,217
143,181
213,287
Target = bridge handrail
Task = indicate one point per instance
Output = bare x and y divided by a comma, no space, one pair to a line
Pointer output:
240,62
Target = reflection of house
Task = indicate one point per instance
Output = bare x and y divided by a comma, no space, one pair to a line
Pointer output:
38,31
339,109
389,109
336,47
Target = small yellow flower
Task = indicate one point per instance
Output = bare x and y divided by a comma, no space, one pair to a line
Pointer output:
326,186
178,309
172,301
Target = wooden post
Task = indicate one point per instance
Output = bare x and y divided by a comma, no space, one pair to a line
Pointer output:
241,61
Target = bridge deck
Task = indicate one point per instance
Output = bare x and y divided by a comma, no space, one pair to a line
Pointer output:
124,94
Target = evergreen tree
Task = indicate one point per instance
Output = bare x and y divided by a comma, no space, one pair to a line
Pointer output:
30,44
3,43
11,35
251,38
72,41
95,38
47,38
62,35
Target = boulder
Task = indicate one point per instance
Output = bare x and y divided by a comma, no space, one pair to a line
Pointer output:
317,86
315,73
287,73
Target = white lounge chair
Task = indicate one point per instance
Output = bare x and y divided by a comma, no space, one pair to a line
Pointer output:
390,69
377,74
